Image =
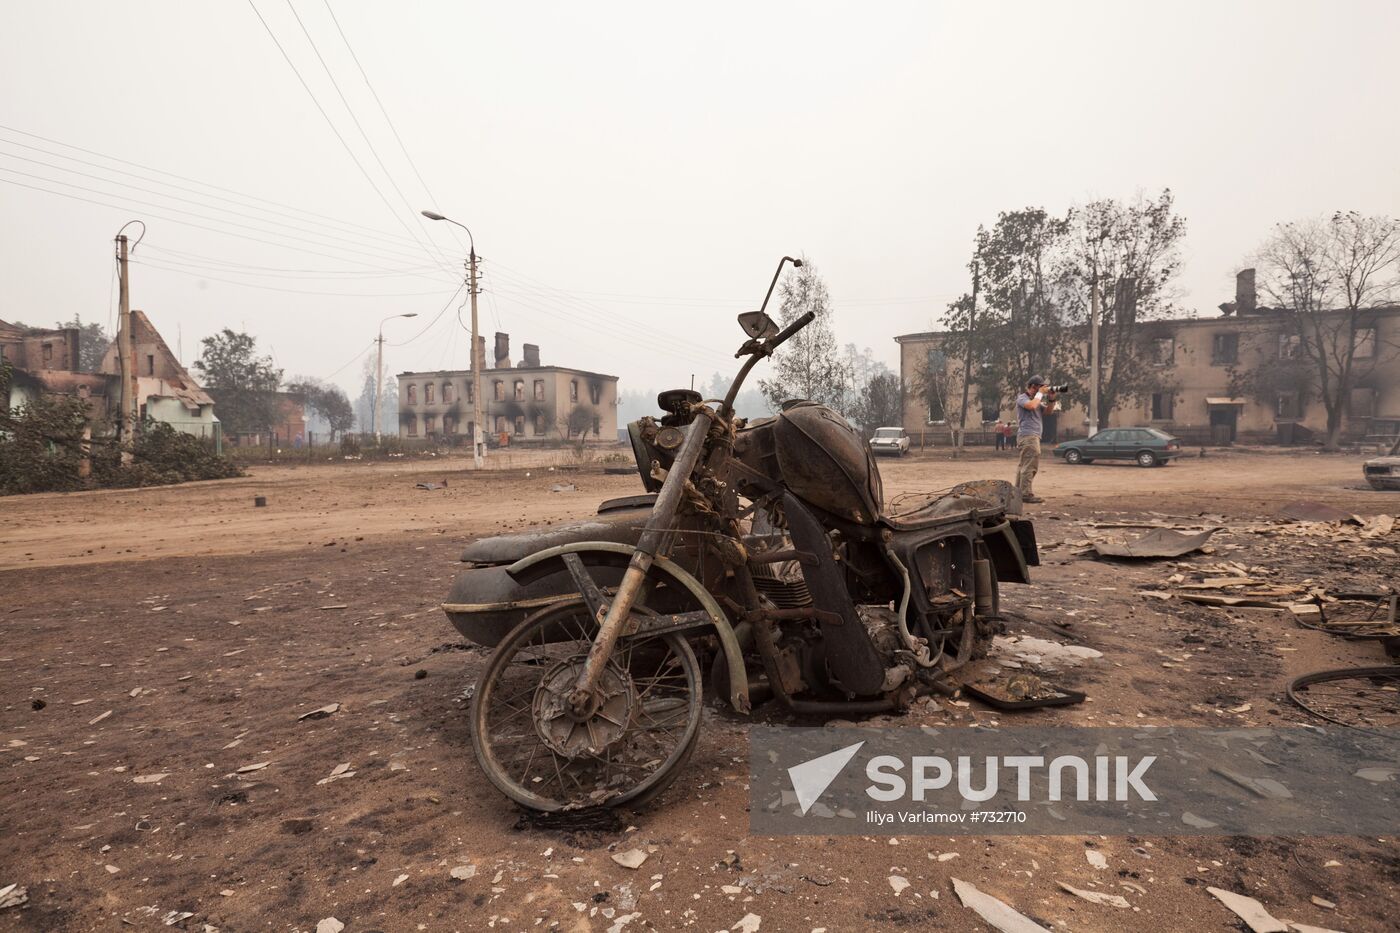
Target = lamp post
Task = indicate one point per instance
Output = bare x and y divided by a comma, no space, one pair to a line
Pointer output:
379,370
478,357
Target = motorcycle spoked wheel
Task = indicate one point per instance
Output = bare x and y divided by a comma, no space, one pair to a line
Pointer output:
641,732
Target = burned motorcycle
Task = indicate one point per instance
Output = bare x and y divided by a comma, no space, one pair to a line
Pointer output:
764,546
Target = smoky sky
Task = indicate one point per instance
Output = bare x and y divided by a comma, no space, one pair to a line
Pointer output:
632,172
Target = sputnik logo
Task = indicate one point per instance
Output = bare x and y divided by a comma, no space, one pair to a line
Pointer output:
811,778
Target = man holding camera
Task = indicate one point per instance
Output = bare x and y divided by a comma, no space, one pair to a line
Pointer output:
1031,407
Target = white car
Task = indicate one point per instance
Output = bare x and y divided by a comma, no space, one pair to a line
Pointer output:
889,441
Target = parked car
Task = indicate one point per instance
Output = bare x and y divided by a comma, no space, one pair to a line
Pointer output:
1148,446
1384,472
889,441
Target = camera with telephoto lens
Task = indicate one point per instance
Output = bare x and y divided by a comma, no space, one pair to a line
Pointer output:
1057,389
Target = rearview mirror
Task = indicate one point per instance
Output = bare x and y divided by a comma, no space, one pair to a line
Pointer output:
758,325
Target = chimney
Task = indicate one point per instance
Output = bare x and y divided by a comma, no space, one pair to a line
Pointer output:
502,350
1246,301
532,356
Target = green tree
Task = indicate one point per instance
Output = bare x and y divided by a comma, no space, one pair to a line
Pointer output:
1132,252
328,402
246,382
809,365
877,405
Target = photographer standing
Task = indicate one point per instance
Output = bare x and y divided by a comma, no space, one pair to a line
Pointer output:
1031,408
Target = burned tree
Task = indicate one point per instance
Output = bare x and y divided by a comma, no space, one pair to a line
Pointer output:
1327,279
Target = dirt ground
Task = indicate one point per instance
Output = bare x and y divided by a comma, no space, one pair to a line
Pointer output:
155,642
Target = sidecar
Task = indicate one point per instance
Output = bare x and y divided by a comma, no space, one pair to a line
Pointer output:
486,602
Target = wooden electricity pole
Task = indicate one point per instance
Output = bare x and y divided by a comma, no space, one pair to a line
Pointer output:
478,363
126,354
967,356
1094,352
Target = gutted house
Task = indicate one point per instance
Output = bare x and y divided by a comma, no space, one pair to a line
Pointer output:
524,402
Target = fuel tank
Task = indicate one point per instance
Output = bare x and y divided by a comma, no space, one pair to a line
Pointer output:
812,451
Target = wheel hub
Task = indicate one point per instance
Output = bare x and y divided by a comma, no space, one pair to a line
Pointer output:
589,728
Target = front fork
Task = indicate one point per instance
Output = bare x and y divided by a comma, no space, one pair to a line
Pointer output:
661,522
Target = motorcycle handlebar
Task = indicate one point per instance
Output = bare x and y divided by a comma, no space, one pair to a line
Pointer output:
791,329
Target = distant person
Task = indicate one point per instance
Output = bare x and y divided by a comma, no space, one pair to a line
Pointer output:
1000,430
1031,407
1004,429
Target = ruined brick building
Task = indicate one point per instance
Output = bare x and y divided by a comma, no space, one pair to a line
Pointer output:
525,402
1201,398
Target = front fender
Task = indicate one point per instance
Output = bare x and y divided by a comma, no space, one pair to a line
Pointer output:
542,563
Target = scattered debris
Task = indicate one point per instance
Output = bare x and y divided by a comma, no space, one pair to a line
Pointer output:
150,778
1350,696
748,923
995,912
1096,858
1041,652
632,858
898,883
12,895
341,770
335,606
564,487
249,769
96,719
1159,542
176,916
329,925
1303,510
1097,897
463,872
320,712
1250,911
399,880
431,486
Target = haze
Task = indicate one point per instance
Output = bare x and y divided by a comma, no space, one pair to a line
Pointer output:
632,172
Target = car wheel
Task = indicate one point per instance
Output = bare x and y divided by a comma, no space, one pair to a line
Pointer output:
1146,458
1073,456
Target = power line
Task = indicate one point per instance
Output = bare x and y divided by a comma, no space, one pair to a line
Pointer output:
147,207
275,288
321,235
363,135
329,122
392,128
383,234
216,264
435,319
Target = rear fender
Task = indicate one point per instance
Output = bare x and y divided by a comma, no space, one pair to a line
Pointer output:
610,554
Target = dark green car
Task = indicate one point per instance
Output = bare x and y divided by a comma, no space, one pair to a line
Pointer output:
1148,446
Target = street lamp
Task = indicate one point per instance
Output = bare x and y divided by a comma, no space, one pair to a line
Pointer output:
379,370
478,357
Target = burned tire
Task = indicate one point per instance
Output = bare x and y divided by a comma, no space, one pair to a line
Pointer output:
625,750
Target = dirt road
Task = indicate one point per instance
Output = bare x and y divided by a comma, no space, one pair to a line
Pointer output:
157,648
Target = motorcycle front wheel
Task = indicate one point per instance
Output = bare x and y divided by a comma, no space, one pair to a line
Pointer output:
630,744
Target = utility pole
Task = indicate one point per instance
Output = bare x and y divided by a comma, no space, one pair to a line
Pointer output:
1094,351
126,353
378,382
967,357
478,363
478,352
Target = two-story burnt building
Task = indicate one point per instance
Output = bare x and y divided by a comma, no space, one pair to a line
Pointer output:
525,402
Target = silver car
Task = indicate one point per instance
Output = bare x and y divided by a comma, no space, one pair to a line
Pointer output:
1384,472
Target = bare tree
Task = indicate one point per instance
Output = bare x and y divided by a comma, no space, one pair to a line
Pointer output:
1327,278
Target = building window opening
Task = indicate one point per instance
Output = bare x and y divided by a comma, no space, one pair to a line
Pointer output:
573,390
447,393
539,425
519,390
498,388
539,390
430,424
150,364
412,425
1163,404
1224,349
412,394
428,394
520,425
